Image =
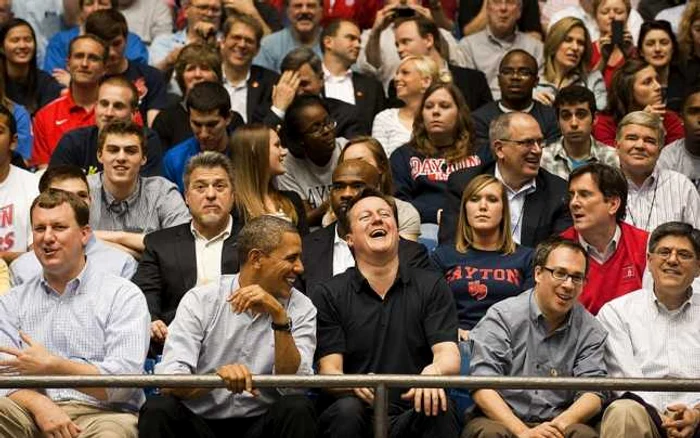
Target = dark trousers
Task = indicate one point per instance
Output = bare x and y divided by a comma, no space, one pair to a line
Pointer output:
350,417
167,417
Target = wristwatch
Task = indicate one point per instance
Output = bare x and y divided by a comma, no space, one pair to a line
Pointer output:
286,327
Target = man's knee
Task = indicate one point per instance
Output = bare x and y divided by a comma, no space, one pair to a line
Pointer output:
160,408
349,407
629,418
625,410
482,427
108,425
15,421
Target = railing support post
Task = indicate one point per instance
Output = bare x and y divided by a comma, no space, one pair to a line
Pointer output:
381,415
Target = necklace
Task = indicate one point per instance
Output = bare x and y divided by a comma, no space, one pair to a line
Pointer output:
653,203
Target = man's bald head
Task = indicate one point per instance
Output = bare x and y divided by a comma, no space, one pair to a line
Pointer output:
349,178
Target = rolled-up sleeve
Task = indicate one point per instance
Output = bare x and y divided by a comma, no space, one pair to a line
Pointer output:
492,348
185,336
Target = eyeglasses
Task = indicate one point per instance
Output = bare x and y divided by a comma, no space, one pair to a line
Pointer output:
681,254
320,128
524,73
561,275
528,143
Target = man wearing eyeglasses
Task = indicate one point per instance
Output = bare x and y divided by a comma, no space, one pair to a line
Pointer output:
543,332
665,320
485,49
517,77
537,199
616,249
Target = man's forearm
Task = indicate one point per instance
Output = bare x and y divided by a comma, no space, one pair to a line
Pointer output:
447,362
31,400
132,241
287,357
580,411
67,367
495,408
373,52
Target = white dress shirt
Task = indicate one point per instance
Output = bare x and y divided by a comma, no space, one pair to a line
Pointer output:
339,87
238,93
342,257
208,254
516,202
645,339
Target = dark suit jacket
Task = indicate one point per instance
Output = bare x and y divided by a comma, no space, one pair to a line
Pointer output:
472,83
317,256
259,100
168,268
545,213
369,101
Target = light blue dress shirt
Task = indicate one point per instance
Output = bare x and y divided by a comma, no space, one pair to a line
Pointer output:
206,334
100,319
274,47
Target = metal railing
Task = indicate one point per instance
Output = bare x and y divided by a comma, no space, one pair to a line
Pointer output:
381,383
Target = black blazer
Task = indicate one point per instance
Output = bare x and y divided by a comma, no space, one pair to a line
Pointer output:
472,83
369,101
168,268
259,99
317,256
545,213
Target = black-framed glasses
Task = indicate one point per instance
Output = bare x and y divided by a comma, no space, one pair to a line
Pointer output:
682,255
528,143
562,275
320,128
519,72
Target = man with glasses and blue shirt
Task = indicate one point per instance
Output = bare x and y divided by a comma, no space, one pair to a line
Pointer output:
537,199
616,249
543,332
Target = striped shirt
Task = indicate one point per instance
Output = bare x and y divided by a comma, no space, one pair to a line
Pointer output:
647,340
665,196
555,159
155,204
100,319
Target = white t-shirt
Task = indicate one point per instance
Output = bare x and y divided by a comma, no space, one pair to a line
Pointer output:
17,193
676,157
389,131
311,182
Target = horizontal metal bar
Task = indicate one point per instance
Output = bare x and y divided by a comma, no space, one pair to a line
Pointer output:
390,380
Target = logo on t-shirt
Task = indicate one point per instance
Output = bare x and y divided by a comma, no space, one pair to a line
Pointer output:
140,85
437,169
628,272
7,241
478,290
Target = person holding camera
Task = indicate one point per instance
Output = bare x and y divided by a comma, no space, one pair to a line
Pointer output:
615,44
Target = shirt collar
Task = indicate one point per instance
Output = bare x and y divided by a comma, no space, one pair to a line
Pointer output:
649,182
560,152
507,110
527,188
538,317
500,41
223,235
358,281
239,85
328,75
72,287
120,206
612,245
337,239
692,299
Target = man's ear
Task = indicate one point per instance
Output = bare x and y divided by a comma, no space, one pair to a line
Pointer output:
255,258
13,143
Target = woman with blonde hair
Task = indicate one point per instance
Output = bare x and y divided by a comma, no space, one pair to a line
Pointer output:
392,127
484,265
259,159
567,55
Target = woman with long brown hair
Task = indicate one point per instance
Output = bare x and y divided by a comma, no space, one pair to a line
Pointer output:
259,159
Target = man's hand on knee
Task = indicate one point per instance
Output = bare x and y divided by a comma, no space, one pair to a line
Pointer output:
55,423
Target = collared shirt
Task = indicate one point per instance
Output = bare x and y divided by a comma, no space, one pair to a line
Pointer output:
675,156
155,204
339,87
100,319
208,253
646,340
390,335
484,52
207,334
238,93
664,196
557,161
342,256
160,48
274,47
602,257
516,202
514,339
101,256
54,120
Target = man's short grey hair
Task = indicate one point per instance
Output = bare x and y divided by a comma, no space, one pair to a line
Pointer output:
643,118
208,160
263,233
500,127
520,3
300,56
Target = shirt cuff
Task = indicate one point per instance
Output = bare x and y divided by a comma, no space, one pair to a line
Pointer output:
278,112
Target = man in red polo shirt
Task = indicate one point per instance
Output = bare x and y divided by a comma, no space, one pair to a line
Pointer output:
76,107
616,250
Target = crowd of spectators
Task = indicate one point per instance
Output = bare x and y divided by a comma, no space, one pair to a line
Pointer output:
436,187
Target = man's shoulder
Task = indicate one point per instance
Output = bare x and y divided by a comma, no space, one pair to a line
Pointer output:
320,235
47,111
183,148
462,177
157,184
262,74
166,235
550,182
79,137
276,37
487,112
